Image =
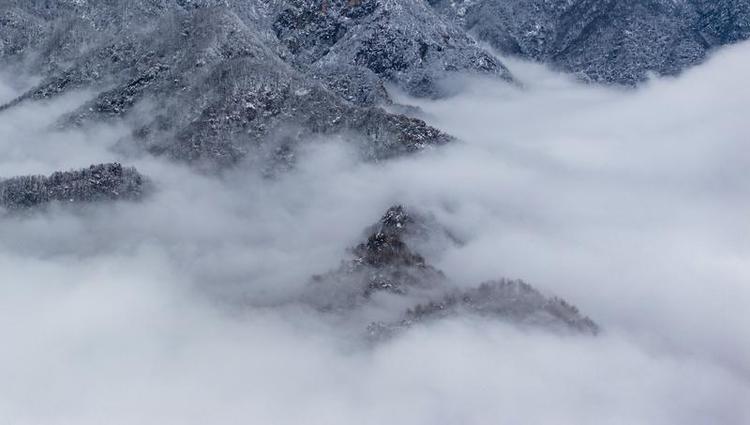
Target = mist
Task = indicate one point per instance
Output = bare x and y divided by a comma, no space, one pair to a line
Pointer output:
632,205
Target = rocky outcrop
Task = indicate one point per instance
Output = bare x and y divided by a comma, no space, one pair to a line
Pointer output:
386,266
104,182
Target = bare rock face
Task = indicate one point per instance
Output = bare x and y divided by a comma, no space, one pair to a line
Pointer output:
387,266
103,182
605,41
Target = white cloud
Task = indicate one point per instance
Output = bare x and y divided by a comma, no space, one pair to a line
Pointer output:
632,205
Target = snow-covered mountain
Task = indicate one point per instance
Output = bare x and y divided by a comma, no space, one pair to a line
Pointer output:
387,269
211,86
213,81
605,41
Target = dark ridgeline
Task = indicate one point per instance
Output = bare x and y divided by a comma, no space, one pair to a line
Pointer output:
104,182
605,41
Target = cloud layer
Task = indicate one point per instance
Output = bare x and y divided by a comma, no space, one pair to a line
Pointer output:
632,205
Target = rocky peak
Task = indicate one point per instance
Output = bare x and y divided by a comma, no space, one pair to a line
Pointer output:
387,265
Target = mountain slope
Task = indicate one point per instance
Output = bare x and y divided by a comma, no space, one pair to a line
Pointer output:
200,83
403,42
608,41
388,280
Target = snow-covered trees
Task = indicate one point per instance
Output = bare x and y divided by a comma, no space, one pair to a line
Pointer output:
96,183
387,267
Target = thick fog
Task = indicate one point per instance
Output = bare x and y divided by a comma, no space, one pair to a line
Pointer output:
632,205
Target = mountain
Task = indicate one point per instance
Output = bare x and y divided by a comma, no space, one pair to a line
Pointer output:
404,42
211,89
216,83
389,279
605,41
220,83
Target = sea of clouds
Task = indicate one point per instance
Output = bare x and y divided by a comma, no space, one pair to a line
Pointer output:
631,204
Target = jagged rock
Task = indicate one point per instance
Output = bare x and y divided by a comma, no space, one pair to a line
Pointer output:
386,265
104,182
609,41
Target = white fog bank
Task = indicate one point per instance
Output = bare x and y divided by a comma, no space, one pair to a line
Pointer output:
633,206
